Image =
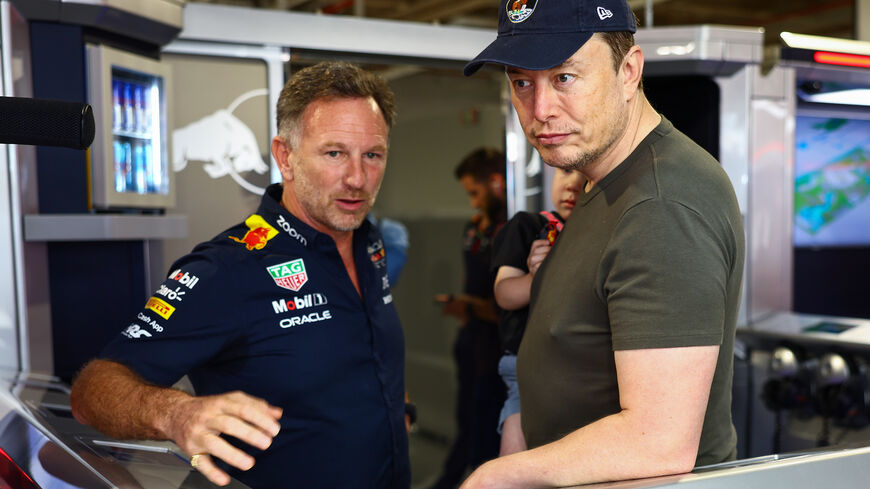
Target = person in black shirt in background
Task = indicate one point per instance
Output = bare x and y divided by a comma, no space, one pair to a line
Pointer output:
476,350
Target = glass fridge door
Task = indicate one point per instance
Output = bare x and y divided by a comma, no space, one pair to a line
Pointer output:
129,160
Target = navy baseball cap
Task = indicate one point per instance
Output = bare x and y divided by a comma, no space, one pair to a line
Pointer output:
541,34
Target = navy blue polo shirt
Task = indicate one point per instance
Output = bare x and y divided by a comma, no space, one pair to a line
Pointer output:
268,308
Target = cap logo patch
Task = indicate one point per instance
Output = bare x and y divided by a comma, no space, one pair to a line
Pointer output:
520,10
603,13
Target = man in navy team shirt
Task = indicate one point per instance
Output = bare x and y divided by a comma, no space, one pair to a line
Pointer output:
284,323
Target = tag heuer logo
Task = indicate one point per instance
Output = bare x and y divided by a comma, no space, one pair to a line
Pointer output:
289,275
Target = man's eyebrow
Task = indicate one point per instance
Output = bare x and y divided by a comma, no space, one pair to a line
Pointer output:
332,144
378,147
344,147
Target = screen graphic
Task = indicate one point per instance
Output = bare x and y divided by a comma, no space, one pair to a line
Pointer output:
832,182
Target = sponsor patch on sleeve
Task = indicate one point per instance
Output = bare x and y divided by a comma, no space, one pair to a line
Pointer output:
159,306
134,331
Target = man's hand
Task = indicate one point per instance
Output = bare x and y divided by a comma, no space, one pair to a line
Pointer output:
115,400
483,477
465,307
455,306
196,423
495,474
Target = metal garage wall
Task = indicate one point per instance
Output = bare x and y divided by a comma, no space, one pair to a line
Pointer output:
220,143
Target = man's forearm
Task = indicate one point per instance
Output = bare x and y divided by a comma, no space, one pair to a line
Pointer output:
663,393
617,448
610,449
113,399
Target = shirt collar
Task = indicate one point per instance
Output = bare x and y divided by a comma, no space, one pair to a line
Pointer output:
271,210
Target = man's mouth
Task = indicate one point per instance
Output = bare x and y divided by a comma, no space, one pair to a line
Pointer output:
551,138
350,205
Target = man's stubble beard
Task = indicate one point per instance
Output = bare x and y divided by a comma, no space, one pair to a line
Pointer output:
325,214
584,158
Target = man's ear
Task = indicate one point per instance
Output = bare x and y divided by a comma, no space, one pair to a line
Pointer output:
281,152
632,71
497,183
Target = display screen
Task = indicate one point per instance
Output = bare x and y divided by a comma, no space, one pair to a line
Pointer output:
832,181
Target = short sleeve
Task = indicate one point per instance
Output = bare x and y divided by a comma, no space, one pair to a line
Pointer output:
667,279
187,321
512,243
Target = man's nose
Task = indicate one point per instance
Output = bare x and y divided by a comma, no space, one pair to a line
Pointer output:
545,107
355,173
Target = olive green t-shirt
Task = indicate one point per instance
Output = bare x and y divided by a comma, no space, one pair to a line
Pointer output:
651,257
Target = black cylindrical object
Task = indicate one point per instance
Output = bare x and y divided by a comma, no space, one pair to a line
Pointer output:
43,122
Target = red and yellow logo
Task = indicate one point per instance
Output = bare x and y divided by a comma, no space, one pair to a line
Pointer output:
160,307
519,10
259,233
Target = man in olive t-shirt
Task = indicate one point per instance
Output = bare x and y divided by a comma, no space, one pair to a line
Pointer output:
625,367
651,258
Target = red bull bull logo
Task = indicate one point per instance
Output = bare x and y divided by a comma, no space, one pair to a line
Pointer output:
551,236
289,275
259,233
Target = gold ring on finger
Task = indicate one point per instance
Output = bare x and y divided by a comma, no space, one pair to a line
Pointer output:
194,460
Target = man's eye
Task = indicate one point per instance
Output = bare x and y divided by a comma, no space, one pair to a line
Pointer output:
333,154
564,77
521,83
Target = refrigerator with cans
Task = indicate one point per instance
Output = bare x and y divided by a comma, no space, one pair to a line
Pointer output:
129,161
